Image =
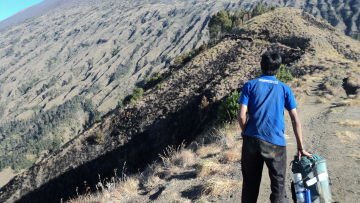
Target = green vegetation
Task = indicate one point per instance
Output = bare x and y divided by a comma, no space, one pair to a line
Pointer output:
23,141
135,96
260,9
220,23
284,74
115,51
355,36
50,62
150,82
188,56
224,21
228,109
334,80
26,87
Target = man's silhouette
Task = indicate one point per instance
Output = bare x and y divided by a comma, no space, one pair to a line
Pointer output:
261,118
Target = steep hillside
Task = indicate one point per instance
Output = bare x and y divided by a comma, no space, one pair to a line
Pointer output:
61,71
174,110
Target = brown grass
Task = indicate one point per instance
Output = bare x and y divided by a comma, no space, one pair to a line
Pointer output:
347,136
208,150
178,157
88,198
129,186
208,167
321,100
350,123
183,159
232,155
120,191
220,186
348,102
149,178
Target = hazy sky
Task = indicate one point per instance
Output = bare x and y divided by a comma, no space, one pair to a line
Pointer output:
11,7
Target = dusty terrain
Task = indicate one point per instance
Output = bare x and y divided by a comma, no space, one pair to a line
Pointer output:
325,61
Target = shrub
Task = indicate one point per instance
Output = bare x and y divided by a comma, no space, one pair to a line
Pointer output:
284,74
186,57
238,17
220,23
115,51
50,62
333,80
229,107
224,21
136,95
260,9
151,82
99,138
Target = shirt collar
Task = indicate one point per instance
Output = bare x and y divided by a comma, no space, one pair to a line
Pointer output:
271,77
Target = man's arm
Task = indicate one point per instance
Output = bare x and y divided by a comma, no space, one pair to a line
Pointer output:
242,116
295,120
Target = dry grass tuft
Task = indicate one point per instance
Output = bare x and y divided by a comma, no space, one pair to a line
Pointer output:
350,123
184,158
96,198
348,102
208,150
220,186
129,186
149,178
125,189
321,100
232,155
347,136
178,157
208,167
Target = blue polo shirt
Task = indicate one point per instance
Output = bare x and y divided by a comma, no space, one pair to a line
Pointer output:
266,98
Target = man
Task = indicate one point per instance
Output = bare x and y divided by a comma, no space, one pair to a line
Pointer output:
261,118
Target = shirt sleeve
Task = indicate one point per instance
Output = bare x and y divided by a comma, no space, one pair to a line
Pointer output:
245,94
290,102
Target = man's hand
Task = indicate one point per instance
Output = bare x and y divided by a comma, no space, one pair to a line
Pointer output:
242,118
303,152
298,133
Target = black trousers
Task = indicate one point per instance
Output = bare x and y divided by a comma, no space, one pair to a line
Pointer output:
254,153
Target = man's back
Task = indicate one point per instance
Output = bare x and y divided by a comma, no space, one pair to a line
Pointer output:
266,98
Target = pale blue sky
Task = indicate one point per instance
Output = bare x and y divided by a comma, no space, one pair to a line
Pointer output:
11,7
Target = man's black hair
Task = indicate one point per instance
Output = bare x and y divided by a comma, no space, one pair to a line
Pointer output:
270,62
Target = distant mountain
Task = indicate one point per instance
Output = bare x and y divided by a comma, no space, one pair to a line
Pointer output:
31,12
343,14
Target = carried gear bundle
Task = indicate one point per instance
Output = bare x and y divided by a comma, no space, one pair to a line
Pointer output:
310,180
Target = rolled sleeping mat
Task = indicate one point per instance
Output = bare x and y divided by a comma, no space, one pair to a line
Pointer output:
315,177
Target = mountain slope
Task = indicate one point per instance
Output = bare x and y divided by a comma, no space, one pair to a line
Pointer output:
170,113
61,71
